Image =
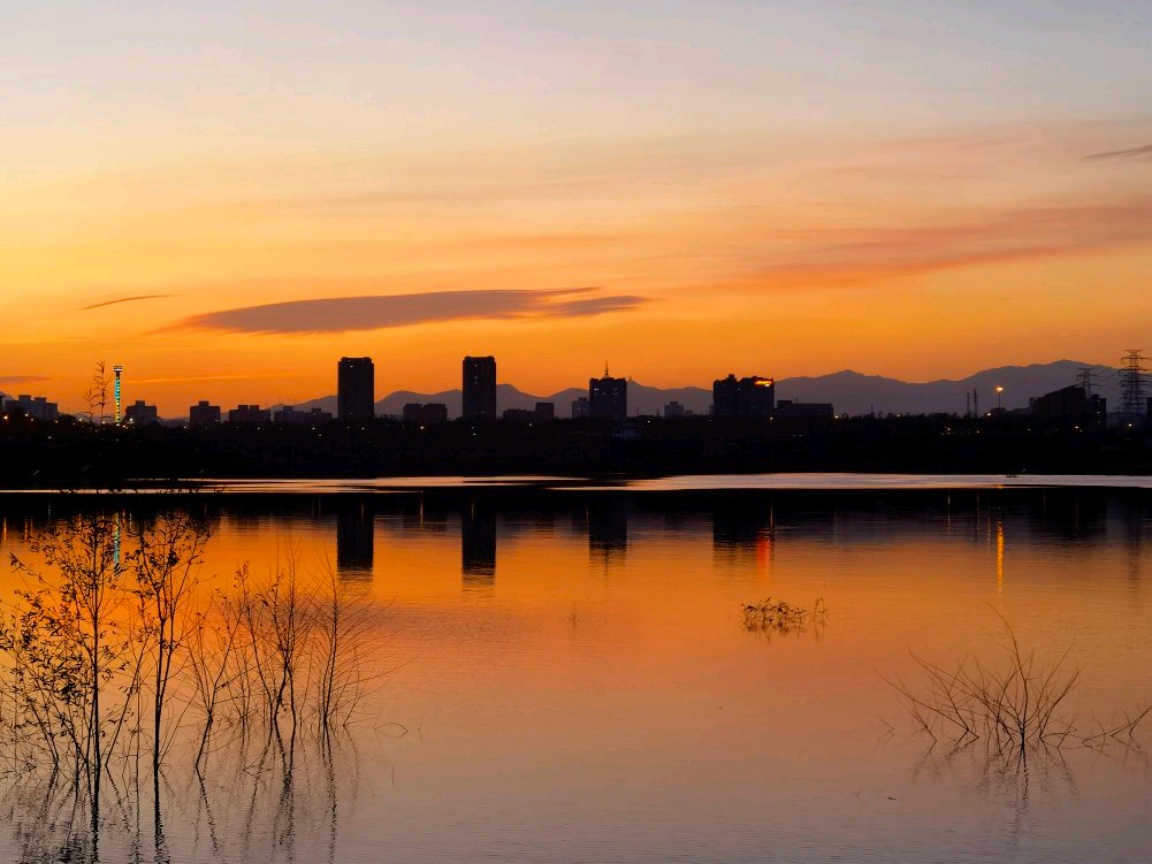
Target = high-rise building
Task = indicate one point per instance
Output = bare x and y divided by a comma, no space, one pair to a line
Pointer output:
479,388
744,397
356,389
608,397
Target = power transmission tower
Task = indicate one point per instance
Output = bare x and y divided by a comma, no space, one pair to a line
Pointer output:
1133,377
1087,378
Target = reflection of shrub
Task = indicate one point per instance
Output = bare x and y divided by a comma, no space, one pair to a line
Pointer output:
779,616
1019,704
109,654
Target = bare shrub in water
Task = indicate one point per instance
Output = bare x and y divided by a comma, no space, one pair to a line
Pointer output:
112,653
75,659
1017,705
166,553
280,652
108,654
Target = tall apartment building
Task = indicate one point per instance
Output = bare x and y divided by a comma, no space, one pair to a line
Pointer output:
355,388
608,398
480,388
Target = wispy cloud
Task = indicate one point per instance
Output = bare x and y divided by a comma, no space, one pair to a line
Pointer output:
840,256
22,379
339,314
1136,153
201,378
123,300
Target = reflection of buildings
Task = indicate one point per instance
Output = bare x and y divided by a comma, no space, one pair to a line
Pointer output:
355,540
608,526
479,399
478,540
424,515
743,536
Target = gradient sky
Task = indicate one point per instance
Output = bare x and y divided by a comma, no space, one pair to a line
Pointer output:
226,200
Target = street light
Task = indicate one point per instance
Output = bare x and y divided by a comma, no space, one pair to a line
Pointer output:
999,391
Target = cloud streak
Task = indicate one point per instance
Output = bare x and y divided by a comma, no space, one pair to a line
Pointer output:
123,300
377,312
22,379
1136,153
845,256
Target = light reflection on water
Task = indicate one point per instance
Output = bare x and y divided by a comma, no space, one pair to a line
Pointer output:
576,685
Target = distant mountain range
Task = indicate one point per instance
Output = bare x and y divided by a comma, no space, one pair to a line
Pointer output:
849,392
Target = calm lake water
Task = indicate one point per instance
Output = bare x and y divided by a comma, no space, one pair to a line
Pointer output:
564,675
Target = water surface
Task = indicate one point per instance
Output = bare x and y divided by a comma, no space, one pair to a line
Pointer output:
567,678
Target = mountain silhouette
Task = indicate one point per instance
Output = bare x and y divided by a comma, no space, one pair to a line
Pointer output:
849,392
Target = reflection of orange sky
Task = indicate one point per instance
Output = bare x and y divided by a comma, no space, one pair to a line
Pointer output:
868,254
574,665
674,595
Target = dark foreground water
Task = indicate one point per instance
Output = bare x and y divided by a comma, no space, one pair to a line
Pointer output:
565,676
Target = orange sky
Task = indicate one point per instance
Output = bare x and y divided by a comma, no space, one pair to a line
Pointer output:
916,233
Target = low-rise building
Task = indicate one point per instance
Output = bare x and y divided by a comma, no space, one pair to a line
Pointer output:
426,413
249,414
140,413
203,414
289,415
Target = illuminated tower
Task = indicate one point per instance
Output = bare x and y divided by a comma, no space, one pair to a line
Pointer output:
117,370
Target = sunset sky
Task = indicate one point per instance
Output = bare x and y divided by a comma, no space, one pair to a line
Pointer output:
226,197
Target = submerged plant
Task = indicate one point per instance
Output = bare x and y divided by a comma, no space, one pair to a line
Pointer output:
779,616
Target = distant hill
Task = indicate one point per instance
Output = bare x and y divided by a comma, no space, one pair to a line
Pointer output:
641,400
853,393
849,392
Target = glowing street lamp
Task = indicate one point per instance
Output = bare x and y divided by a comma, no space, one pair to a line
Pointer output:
999,391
